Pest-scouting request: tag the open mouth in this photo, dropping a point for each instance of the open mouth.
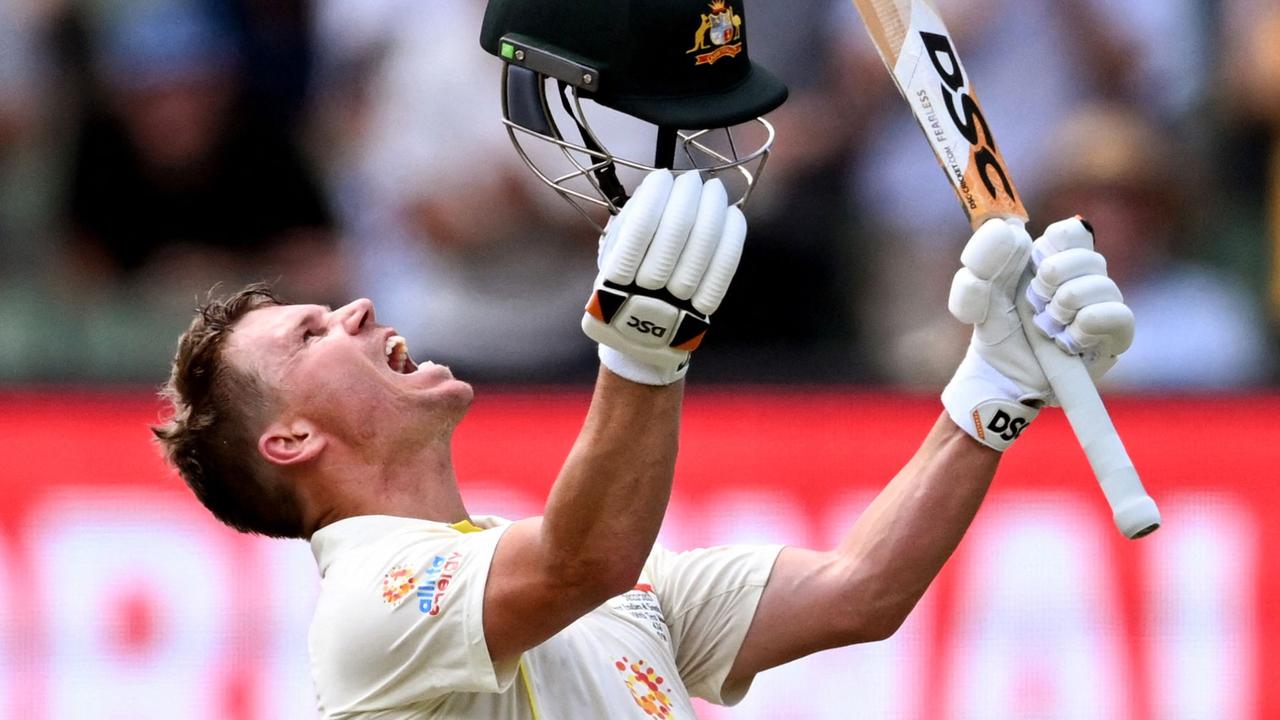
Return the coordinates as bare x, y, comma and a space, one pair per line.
397, 352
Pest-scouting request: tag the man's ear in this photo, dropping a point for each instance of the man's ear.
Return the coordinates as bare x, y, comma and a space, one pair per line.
291, 443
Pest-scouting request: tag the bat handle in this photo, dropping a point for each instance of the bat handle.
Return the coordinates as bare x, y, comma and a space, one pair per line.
1133, 510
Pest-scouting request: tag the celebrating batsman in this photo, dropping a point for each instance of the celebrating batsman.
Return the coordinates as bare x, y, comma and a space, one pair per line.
309, 422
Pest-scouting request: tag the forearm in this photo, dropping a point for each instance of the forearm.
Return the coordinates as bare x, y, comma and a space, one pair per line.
899, 544
608, 502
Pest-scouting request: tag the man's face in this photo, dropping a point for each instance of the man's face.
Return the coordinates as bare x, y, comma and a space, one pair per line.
350, 376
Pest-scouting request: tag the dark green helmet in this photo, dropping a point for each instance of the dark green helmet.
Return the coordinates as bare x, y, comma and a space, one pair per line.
681, 65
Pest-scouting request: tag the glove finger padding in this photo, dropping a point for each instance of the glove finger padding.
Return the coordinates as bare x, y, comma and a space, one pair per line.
997, 252
708, 226
1076, 304
1057, 269
970, 298
1063, 235
724, 263
1079, 293
1105, 328
673, 230
982, 291
666, 262
628, 235
1068, 275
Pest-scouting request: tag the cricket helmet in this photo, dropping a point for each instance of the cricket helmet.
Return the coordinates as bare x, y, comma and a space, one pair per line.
679, 65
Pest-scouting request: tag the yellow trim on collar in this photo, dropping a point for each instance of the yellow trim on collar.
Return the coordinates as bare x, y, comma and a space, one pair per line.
466, 526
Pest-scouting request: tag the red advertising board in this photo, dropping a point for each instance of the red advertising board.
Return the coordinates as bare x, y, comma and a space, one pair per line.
119, 597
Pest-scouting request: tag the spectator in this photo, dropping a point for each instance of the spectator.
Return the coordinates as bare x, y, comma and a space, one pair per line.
24, 72
1199, 329
28, 139
176, 181
1250, 67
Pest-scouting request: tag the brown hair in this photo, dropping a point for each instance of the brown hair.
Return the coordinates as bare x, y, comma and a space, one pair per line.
211, 437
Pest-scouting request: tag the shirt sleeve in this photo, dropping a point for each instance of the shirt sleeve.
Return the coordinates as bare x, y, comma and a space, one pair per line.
402, 622
709, 597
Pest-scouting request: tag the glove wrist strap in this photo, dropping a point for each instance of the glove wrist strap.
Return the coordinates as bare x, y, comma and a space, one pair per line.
637, 371
985, 404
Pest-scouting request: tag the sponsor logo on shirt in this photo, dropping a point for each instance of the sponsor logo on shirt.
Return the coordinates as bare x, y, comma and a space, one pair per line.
397, 584
435, 583
646, 688
641, 603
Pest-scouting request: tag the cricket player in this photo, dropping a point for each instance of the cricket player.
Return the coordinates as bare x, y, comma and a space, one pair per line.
305, 421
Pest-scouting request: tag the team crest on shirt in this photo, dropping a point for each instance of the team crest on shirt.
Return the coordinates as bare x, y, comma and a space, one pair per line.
401, 582
646, 688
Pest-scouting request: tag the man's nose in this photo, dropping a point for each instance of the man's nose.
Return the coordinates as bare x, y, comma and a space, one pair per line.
355, 315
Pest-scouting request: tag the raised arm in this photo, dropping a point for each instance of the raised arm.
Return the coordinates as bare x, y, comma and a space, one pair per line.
666, 262
864, 589
600, 521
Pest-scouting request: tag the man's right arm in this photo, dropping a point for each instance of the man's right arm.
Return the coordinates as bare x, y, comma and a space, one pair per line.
665, 265
600, 523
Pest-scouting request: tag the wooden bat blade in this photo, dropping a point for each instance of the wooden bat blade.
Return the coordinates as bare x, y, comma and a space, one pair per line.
921, 57
887, 21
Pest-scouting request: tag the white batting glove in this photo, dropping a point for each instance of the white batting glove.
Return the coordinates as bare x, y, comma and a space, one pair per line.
999, 387
665, 264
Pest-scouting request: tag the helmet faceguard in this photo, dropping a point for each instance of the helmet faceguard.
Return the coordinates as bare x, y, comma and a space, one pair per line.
704, 104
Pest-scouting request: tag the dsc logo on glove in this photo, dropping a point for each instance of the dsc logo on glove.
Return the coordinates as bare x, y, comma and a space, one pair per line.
645, 326
1009, 428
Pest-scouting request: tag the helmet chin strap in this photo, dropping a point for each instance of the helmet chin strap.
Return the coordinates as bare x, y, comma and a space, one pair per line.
664, 151
607, 174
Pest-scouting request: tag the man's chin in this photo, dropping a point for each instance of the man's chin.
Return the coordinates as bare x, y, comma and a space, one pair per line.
454, 396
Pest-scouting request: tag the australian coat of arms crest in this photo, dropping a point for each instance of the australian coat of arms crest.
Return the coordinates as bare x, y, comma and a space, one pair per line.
719, 35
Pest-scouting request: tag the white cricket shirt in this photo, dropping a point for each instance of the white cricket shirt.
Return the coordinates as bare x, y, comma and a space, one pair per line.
398, 631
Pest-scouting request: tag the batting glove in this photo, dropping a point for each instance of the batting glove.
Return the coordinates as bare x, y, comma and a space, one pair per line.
999, 387
665, 263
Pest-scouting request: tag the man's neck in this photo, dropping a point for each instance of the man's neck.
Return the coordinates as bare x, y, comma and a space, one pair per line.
422, 485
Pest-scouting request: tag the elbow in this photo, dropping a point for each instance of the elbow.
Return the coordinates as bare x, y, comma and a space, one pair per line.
616, 577
596, 580
875, 606
881, 626
866, 620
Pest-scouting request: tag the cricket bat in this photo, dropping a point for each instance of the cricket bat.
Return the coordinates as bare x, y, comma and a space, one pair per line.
921, 57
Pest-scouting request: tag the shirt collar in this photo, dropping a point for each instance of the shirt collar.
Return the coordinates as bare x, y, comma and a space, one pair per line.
331, 540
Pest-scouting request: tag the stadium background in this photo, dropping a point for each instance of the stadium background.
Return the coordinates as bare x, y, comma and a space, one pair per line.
151, 148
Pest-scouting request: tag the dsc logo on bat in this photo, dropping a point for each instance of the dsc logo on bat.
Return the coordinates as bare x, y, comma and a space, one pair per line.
939, 47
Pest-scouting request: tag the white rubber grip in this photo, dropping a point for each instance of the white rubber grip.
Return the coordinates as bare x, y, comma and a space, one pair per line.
1134, 511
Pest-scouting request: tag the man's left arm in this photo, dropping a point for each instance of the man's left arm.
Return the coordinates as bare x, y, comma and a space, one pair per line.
864, 589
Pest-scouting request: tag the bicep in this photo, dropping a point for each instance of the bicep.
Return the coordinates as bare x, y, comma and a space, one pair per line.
801, 611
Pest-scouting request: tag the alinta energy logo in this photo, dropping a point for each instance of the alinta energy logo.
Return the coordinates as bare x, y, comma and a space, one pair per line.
400, 582
719, 35
646, 688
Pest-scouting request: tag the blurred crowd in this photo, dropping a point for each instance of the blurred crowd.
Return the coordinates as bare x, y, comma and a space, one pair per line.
151, 150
